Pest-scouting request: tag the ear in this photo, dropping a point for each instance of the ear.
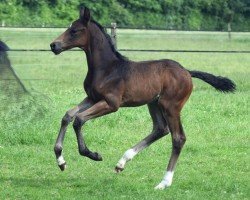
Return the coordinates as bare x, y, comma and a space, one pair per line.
84, 15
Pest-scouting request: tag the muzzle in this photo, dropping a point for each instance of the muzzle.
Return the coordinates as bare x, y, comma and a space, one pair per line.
56, 47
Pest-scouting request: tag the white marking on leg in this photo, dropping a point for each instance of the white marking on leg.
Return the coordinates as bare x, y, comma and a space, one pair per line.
128, 155
60, 160
166, 181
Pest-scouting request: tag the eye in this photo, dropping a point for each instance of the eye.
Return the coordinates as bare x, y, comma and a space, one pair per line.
73, 32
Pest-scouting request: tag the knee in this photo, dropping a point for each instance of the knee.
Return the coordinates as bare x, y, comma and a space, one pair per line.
161, 131
78, 122
178, 142
114, 108
66, 119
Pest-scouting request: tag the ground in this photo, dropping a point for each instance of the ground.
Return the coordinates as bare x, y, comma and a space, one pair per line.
214, 163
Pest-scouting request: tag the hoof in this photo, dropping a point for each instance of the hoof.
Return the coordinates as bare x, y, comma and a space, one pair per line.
95, 156
62, 166
160, 187
118, 169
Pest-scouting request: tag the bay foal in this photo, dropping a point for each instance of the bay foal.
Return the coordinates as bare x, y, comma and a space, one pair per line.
113, 81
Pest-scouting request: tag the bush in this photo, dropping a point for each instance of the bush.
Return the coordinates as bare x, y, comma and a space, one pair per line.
168, 14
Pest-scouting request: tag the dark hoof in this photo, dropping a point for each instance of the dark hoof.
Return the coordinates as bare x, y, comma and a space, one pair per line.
118, 169
62, 166
95, 156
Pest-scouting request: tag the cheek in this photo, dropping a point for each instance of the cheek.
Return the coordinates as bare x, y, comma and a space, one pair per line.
81, 41
74, 41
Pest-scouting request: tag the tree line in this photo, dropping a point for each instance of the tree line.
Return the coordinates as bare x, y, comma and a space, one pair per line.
165, 14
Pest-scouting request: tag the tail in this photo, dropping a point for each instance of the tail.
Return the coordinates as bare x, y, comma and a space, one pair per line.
220, 83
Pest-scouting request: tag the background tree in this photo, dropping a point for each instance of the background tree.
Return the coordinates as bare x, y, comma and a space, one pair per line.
168, 14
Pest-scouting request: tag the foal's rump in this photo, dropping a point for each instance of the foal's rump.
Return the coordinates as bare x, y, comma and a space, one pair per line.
148, 80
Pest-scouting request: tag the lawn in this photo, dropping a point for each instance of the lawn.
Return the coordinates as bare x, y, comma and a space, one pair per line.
214, 163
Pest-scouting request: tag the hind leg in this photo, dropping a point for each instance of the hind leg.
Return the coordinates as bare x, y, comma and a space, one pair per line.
160, 129
178, 140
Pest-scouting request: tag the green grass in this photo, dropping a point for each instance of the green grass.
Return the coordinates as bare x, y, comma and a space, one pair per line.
214, 163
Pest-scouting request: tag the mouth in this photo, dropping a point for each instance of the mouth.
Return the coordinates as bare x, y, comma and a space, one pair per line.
56, 52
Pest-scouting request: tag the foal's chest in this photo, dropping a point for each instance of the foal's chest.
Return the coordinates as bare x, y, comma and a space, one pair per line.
97, 85
92, 92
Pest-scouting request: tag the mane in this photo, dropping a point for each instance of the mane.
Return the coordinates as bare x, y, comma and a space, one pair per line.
118, 55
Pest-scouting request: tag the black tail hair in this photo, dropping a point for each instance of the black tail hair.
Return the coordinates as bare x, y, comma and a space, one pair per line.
220, 83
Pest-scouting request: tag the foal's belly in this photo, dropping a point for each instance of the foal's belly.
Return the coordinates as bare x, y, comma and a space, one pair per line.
133, 103
140, 94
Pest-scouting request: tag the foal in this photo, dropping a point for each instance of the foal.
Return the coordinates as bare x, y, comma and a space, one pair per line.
113, 81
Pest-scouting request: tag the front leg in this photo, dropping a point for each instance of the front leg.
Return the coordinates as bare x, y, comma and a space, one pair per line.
99, 109
85, 104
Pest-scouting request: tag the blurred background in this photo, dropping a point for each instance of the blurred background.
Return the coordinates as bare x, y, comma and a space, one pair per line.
212, 15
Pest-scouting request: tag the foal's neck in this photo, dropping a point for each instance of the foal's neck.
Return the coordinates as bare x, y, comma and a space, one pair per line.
99, 53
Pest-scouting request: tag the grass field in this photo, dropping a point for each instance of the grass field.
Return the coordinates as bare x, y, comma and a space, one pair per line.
214, 163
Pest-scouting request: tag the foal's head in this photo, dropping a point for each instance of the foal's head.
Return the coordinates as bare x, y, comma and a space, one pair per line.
77, 35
